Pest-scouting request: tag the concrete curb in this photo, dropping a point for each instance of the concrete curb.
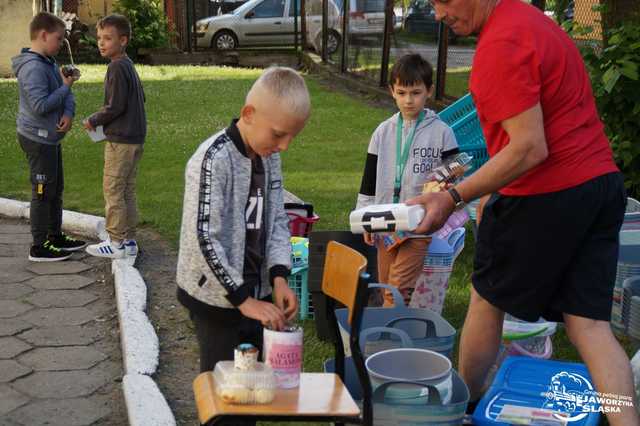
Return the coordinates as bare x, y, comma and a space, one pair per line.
145, 403
140, 346
72, 222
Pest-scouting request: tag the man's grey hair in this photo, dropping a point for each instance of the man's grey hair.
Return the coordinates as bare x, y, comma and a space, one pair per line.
286, 87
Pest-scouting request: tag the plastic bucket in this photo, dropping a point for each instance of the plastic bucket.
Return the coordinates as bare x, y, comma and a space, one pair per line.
426, 329
413, 365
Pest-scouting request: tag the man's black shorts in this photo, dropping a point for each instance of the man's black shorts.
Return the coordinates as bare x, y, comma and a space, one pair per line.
548, 254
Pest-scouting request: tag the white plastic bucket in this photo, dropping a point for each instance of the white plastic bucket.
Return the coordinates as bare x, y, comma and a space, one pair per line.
412, 365
283, 353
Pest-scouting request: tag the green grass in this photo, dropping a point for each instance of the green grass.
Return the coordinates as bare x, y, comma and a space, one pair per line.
185, 105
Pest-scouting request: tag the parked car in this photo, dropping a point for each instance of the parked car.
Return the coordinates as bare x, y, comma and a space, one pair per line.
262, 23
421, 18
226, 6
271, 23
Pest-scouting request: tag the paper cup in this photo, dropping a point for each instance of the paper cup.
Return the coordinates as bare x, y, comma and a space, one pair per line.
283, 353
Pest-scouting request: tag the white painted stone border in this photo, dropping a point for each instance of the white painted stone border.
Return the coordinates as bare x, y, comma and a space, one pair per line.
140, 347
72, 222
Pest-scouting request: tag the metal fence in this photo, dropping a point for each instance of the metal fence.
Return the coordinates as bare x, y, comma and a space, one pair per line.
364, 37
367, 38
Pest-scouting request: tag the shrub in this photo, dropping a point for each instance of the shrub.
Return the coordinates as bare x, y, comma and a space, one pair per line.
148, 23
615, 77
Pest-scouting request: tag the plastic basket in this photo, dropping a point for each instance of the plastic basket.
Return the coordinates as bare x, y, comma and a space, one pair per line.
299, 284
299, 252
457, 110
471, 140
300, 226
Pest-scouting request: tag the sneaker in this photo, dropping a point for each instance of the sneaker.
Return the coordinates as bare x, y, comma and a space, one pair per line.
106, 249
47, 252
130, 248
65, 242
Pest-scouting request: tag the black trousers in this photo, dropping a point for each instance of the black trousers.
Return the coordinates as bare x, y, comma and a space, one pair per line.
218, 333
47, 185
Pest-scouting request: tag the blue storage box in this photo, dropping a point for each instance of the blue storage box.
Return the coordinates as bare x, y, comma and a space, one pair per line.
425, 328
541, 386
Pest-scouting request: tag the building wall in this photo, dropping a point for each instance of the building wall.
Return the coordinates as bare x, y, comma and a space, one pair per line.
89, 11
15, 16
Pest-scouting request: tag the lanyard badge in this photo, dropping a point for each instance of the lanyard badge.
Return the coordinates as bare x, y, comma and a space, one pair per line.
402, 153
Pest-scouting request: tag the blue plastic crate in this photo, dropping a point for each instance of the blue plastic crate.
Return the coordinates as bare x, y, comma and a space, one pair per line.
463, 119
561, 387
457, 110
298, 282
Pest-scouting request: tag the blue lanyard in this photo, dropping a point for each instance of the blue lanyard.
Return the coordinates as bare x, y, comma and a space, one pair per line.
402, 154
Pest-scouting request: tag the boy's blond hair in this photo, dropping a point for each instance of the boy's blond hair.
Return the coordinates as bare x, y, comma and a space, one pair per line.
286, 87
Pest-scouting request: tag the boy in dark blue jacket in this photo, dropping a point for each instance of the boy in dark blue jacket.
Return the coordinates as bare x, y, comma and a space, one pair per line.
45, 115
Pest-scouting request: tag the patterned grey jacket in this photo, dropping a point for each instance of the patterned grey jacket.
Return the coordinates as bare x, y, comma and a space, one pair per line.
212, 237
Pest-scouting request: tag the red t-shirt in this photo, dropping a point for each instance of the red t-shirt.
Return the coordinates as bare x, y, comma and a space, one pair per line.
522, 58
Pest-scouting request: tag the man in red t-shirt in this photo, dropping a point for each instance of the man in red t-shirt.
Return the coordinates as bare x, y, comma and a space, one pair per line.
553, 199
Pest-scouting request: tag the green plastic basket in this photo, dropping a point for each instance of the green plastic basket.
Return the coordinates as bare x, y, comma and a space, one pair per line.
299, 284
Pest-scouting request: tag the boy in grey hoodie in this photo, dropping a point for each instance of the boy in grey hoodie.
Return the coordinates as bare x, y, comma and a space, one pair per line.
423, 141
234, 241
45, 115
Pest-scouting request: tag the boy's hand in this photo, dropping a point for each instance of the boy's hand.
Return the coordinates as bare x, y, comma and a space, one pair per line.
285, 298
65, 124
67, 80
87, 125
267, 313
369, 239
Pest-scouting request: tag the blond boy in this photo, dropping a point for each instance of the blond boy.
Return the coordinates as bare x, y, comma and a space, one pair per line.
234, 242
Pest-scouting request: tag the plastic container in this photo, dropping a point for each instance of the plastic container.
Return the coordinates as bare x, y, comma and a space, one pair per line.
544, 387
419, 366
386, 218
301, 218
236, 386
515, 329
298, 280
457, 110
390, 411
425, 328
632, 213
627, 268
463, 119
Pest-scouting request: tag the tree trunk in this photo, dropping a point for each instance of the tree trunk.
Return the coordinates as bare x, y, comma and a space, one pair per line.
617, 11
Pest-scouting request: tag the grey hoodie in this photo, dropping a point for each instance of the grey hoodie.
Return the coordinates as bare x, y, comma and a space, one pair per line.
213, 233
44, 99
432, 139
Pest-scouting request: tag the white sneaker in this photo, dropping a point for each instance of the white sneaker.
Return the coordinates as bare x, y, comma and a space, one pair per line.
130, 248
106, 249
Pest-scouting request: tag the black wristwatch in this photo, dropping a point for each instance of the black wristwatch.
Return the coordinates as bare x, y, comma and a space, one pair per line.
457, 199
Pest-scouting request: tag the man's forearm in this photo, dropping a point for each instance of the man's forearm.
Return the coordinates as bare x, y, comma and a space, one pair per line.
510, 163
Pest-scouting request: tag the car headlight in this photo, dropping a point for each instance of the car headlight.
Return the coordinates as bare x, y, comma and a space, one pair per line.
202, 27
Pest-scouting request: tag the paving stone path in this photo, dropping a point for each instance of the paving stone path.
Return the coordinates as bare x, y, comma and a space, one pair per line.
60, 361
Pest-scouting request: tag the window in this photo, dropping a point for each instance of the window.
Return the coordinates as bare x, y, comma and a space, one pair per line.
269, 9
370, 6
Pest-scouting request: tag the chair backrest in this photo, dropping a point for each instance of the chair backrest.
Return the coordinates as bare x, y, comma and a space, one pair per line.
344, 280
342, 268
